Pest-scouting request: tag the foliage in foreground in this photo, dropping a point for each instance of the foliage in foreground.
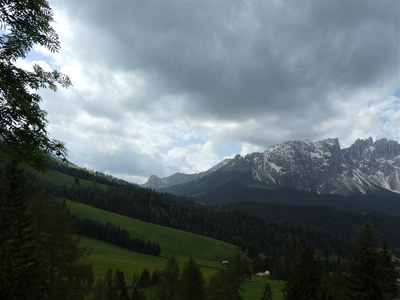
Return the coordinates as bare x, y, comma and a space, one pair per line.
23, 134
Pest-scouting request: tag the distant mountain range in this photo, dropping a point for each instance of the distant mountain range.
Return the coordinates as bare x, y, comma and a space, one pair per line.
314, 167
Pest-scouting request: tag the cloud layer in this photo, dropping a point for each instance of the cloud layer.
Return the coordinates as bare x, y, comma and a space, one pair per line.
168, 86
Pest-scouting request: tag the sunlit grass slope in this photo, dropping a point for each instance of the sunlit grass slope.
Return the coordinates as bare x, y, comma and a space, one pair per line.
184, 245
103, 256
254, 288
60, 179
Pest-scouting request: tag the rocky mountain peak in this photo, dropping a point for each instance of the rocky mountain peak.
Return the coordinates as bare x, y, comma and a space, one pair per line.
154, 182
320, 167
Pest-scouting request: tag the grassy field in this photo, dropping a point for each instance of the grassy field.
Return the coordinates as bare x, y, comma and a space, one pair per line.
206, 251
254, 288
184, 245
60, 179
104, 256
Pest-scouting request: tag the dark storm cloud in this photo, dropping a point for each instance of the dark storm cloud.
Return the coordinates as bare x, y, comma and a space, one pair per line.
237, 59
162, 86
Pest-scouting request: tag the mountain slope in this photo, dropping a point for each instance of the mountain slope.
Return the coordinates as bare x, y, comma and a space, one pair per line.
317, 167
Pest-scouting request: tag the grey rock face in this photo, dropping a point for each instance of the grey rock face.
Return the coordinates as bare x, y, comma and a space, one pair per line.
320, 167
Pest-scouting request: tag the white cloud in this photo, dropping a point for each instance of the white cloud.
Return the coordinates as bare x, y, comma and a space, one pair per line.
162, 87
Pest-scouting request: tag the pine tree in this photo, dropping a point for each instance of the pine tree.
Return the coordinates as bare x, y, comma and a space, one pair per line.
304, 279
145, 279
99, 291
18, 267
192, 285
111, 293
369, 273
386, 274
57, 252
167, 289
324, 291
119, 280
219, 287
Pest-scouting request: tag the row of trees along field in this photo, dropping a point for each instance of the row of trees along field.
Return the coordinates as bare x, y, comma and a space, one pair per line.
175, 283
114, 235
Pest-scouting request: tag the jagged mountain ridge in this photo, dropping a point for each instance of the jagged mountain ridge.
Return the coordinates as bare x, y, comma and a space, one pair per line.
317, 167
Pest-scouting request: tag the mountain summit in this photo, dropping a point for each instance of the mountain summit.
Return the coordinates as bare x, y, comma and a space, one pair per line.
318, 167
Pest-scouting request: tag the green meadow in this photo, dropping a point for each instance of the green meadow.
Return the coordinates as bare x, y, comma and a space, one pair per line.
254, 288
60, 179
103, 256
207, 252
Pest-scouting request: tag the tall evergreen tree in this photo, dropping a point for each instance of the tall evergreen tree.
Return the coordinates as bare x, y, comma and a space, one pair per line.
225, 284
192, 284
99, 291
304, 279
120, 285
57, 252
167, 290
386, 274
369, 271
111, 293
219, 287
145, 279
18, 267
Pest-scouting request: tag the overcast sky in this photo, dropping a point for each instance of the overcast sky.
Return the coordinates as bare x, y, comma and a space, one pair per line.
176, 86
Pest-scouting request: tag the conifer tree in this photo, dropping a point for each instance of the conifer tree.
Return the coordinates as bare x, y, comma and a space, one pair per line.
145, 279
155, 277
167, 290
192, 285
369, 273
219, 287
99, 290
324, 291
57, 252
18, 267
111, 293
386, 274
225, 284
120, 285
304, 279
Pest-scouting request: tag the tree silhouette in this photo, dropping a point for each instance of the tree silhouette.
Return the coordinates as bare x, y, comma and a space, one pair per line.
19, 274
370, 273
192, 284
167, 290
23, 133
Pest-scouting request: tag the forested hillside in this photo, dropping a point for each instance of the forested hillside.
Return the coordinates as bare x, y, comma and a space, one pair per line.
270, 234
